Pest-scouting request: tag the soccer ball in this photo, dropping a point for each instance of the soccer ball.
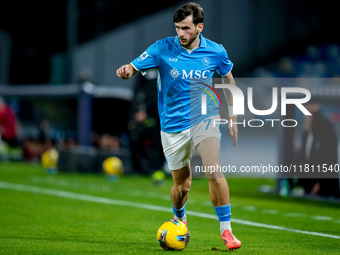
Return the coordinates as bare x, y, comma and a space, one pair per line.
173, 235
158, 177
113, 166
50, 158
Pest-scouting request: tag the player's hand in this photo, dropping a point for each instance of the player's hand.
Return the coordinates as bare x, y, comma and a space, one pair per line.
233, 129
125, 72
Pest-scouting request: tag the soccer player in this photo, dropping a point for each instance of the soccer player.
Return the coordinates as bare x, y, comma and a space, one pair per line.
180, 60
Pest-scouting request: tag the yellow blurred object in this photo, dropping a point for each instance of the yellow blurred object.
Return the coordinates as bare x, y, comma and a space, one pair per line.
113, 166
50, 158
158, 177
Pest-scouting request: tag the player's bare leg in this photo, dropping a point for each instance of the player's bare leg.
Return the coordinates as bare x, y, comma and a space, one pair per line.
209, 150
179, 191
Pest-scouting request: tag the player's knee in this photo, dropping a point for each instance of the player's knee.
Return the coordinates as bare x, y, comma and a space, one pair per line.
211, 162
215, 177
184, 187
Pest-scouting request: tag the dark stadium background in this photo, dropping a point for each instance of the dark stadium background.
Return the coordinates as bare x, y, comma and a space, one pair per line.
38, 29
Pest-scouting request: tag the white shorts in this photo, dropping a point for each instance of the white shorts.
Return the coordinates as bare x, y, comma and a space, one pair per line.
178, 147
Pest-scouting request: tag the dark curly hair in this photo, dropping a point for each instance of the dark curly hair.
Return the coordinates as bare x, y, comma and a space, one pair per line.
189, 9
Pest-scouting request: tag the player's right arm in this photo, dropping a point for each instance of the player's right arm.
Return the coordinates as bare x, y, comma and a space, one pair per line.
125, 72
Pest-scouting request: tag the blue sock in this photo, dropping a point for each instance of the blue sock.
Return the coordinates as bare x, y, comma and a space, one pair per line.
179, 212
223, 212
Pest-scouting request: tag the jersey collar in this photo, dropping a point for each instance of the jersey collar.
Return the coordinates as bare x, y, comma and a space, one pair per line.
203, 42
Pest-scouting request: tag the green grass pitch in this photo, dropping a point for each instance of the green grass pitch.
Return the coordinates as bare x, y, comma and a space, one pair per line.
87, 214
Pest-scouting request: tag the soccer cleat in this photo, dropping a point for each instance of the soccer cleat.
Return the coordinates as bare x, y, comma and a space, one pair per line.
230, 240
185, 222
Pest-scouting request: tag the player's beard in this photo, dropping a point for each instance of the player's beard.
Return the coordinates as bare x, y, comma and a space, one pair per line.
193, 38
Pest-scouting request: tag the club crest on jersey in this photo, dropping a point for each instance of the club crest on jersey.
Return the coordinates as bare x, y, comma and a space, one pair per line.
174, 73
206, 61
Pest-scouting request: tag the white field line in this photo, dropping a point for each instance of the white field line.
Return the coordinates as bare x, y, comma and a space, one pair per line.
83, 197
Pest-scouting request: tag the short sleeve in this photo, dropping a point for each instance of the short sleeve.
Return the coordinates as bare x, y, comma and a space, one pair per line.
225, 65
149, 59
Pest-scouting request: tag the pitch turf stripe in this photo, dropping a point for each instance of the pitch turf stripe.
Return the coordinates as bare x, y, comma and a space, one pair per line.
89, 198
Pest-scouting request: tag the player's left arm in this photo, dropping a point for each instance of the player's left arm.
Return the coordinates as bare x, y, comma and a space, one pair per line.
229, 79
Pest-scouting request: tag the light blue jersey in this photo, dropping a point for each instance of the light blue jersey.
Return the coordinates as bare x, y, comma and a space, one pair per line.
179, 72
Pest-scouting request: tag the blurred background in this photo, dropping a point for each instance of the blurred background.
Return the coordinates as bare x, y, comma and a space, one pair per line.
59, 90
